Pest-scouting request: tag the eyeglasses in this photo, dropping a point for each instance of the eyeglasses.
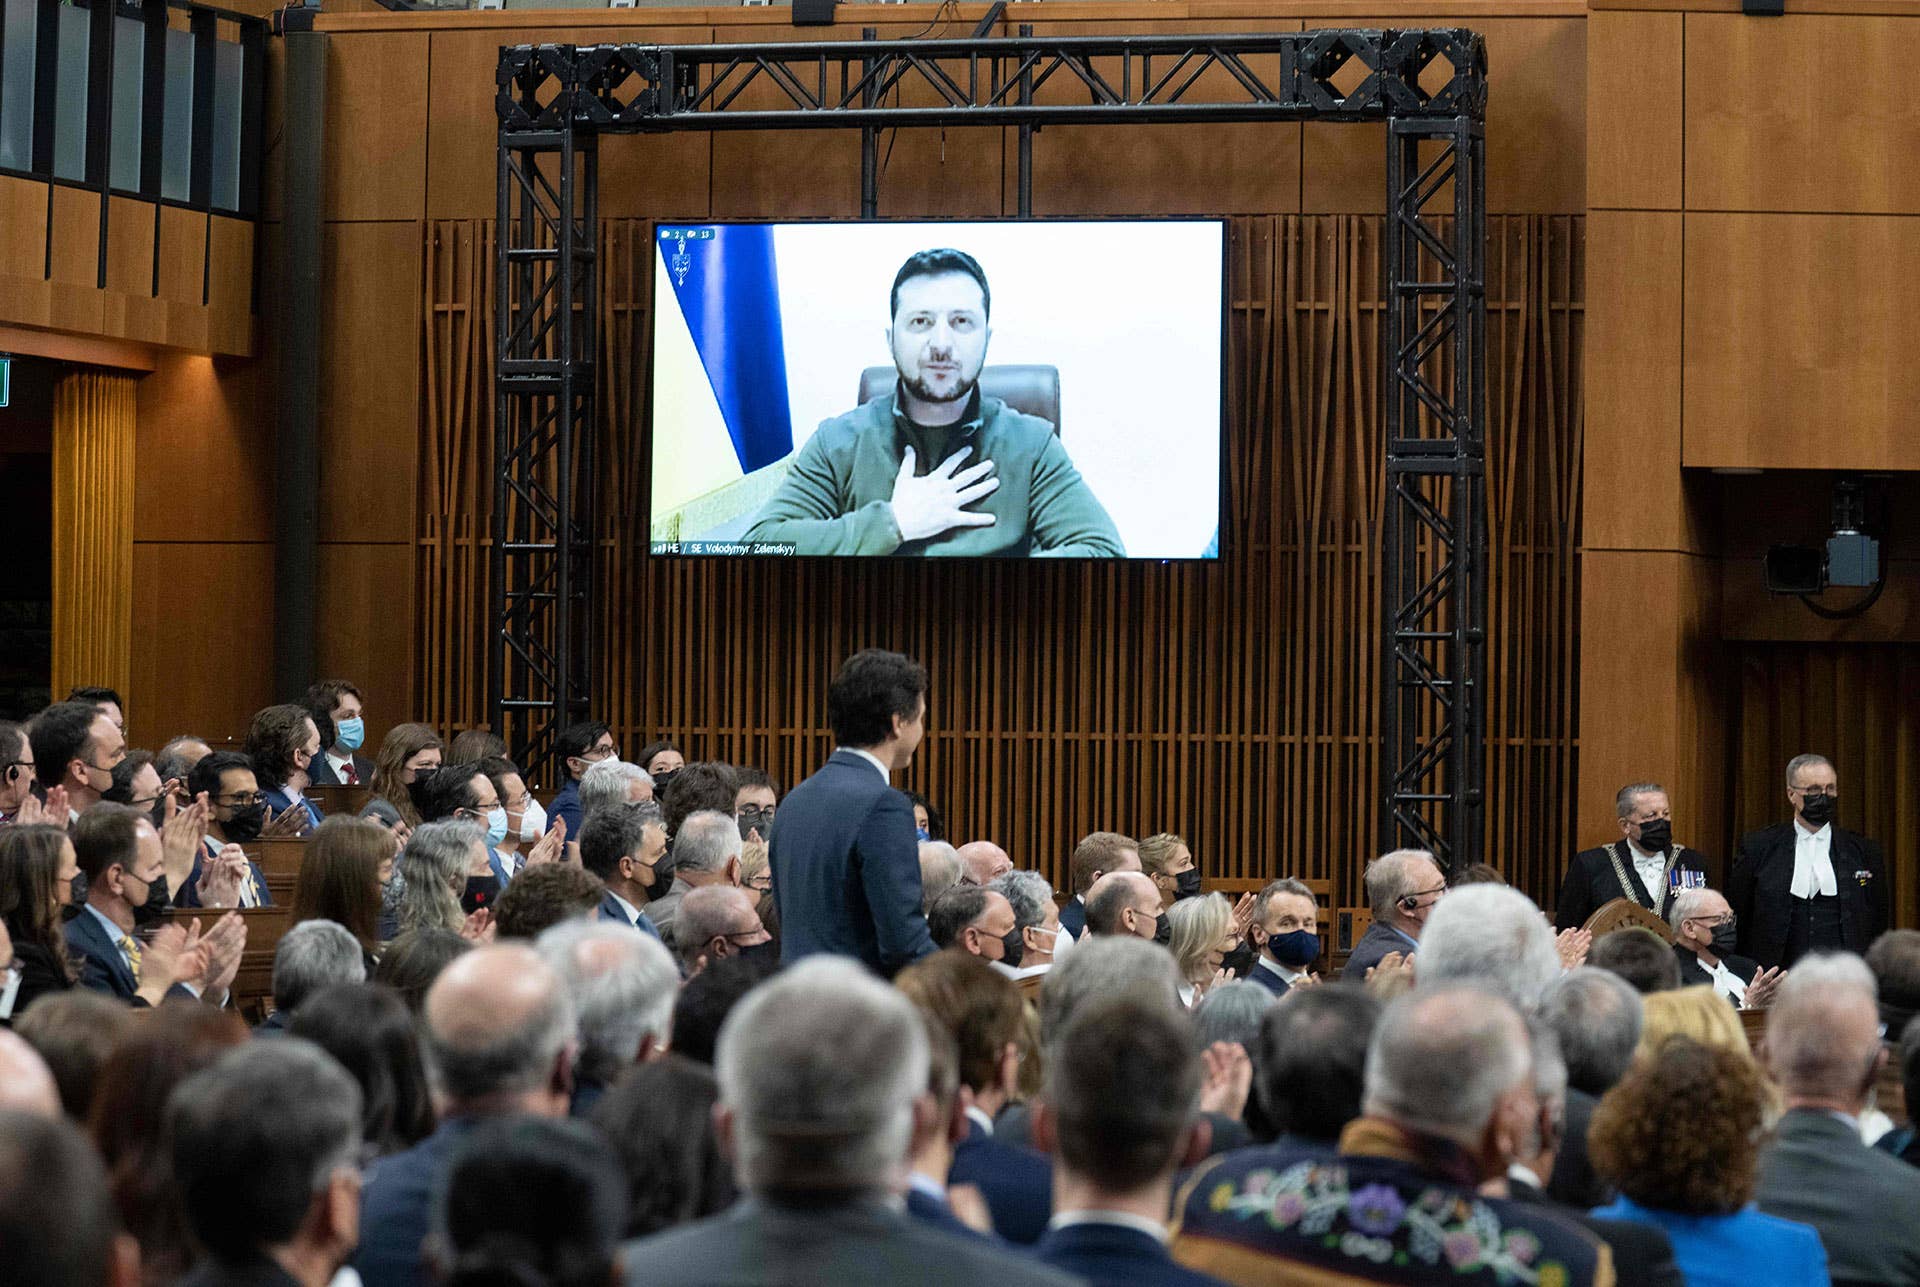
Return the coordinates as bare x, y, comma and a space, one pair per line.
241, 799
763, 883
1730, 920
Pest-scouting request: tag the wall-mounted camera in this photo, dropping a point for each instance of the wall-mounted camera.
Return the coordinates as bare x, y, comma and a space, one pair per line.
1849, 557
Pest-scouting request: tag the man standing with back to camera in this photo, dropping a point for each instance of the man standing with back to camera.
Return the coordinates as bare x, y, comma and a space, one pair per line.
892, 477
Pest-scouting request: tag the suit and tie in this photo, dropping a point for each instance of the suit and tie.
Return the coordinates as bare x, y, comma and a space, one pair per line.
846, 868
1107, 1253
856, 1243
1016, 1182
1864, 1204
1599, 875
322, 772
1379, 940
279, 801
1574, 1182
1272, 976
95, 943
1073, 916
1760, 892
613, 909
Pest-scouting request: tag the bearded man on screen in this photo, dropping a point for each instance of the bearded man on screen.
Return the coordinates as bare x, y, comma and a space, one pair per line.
936, 467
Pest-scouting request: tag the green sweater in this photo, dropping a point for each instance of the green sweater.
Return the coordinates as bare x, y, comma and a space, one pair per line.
835, 499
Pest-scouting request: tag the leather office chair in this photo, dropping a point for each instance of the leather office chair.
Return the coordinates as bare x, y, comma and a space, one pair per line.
1031, 390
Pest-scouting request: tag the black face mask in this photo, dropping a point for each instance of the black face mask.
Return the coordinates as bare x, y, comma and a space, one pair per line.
245, 823
662, 876
1818, 808
1016, 949
1241, 960
1187, 884
1295, 950
760, 820
159, 903
480, 892
763, 956
1656, 837
1163, 929
660, 780
1724, 937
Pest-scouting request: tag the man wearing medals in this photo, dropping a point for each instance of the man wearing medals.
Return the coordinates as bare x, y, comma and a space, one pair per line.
1644, 864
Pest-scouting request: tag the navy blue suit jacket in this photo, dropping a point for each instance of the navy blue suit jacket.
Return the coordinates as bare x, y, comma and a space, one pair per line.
566, 804
279, 801
189, 895
1111, 1255
1073, 916
1017, 1183
1268, 979
396, 1205
102, 968
935, 1211
610, 910
846, 869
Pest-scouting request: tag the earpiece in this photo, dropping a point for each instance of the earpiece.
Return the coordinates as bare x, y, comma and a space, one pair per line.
1410, 903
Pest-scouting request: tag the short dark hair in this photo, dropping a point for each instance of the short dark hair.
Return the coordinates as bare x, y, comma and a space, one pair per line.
871, 688
541, 897
1096, 852
938, 263
369, 1030
953, 911
448, 791
272, 738
320, 700
531, 1200
94, 695
61, 734
415, 957
477, 744
252, 1137
75, 1030
1311, 1059
1894, 959
13, 741
121, 792
748, 775
57, 1216
207, 773
1124, 1082
708, 998
106, 834
652, 749
707, 784
1639, 956
577, 739
936, 825
608, 836
659, 1120
1104, 908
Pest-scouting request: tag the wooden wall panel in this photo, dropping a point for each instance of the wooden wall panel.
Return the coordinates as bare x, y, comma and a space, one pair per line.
203, 618
230, 261
1635, 102
131, 308
376, 126
1796, 342
1234, 703
205, 435
73, 262
1825, 136
370, 381
366, 600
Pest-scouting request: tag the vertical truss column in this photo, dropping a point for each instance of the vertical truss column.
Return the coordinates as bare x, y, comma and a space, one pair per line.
1434, 553
541, 665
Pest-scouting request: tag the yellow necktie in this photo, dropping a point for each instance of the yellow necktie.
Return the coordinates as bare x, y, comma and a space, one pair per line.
132, 949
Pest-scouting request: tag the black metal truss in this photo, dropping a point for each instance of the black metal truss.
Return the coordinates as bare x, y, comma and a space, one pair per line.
1430, 87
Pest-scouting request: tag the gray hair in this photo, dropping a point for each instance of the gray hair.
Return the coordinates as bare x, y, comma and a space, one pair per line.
313, 955
1285, 885
1823, 1029
622, 984
820, 1067
707, 913
939, 872
1597, 1016
434, 864
954, 911
1104, 965
1816, 977
1623, 798
1686, 906
1799, 762
508, 1060
1028, 892
1232, 1013
1440, 1060
606, 783
706, 841
1489, 937
173, 762
1389, 878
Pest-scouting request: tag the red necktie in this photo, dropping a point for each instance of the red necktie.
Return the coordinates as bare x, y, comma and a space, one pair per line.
353, 779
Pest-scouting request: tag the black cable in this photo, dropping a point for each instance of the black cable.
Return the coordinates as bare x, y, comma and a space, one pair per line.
1848, 613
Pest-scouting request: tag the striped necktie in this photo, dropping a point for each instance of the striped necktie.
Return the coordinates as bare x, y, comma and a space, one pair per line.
132, 949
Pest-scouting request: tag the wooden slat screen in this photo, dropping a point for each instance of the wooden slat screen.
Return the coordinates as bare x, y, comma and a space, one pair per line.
1233, 703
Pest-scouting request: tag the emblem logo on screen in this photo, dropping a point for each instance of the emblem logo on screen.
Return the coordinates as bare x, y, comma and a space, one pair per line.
680, 263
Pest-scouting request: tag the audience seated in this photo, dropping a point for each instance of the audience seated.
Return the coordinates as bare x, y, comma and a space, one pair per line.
1199, 934
982, 862
177, 758
525, 821
936, 1132
756, 877
1824, 1051
1596, 1016
1449, 1087
1639, 956
1310, 1064
283, 742
1900, 1141
1489, 937
1126, 902
57, 1218
627, 849
464, 793
1691, 1012
1403, 888
474, 745
940, 870
1703, 938
18, 804
129, 1118
313, 955
1120, 1114
756, 799
978, 922
74, 1032
1231, 1014
543, 897
368, 1029
610, 783
706, 852
820, 1072
622, 986
75, 746
413, 961
1894, 959
498, 1034
105, 700
341, 875
407, 753
1166, 860
136, 783
659, 1121
530, 1201
26, 1083
718, 922
1036, 919
702, 787
265, 1157
236, 816
37, 871
982, 1011
709, 997
1679, 1138
433, 873
1285, 932
1096, 855
578, 748
335, 707
927, 822
661, 760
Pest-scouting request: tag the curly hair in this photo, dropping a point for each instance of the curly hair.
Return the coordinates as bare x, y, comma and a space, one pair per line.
1680, 1132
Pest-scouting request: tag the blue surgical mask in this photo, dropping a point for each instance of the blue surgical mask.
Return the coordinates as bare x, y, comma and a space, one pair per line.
922, 834
350, 733
496, 826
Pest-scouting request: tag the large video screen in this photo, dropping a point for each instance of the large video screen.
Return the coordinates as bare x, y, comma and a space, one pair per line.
974, 390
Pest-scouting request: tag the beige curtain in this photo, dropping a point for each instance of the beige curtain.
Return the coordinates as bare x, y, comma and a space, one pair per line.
93, 418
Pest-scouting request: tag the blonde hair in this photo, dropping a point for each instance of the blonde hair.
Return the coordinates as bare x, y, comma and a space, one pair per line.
1697, 1013
1197, 925
753, 859
1156, 852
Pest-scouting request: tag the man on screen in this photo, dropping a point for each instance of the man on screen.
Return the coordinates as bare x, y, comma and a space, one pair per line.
936, 467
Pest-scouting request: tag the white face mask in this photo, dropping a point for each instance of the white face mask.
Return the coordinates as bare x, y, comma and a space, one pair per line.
533, 823
1062, 941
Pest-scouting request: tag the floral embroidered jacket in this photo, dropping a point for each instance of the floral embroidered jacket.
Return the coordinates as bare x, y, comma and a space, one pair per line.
1389, 1207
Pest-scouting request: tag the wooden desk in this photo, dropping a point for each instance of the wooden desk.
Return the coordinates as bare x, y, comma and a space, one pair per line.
332, 800
252, 989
